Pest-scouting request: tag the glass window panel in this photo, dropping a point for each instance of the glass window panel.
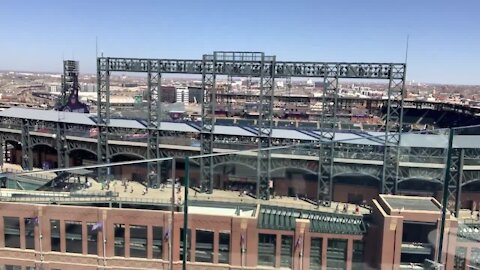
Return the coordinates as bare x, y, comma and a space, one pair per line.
92, 239
286, 253
138, 241
119, 240
266, 249
73, 236
55, 234
475, 258
224, 248
336, 254
189, 240
204, 246
459, 263
158, 239
357, 256
30, 224
11, 232
316, 245
13, 267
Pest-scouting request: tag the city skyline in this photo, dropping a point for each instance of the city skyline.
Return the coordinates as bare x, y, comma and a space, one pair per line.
441, 50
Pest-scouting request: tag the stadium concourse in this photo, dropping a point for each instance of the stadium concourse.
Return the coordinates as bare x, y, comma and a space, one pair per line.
68, 220
357, 167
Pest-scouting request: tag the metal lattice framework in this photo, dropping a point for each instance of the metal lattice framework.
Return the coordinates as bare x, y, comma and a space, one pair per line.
27, 158
393, 125
455, 180
69, 81
154, 80
265, 123
61, 145
103, 115
328, 122
257, 65
208, 121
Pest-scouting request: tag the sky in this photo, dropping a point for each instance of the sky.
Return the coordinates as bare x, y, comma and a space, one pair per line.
444, 43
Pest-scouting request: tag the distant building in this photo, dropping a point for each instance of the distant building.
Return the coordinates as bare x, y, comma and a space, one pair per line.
88, 87
195, 94
182, 95
168, 94
55, 87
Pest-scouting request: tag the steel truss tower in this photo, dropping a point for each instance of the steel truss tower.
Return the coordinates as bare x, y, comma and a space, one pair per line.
265, 124
455, 180
69, 81
209, 103
393, 125
27, 157
328, 124
61, 144
154, 80
257, 65
103, 116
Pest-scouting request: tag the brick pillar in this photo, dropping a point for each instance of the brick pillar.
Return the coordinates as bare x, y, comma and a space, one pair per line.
84, 238
389, 243
108, 234
126, 236
398, 243
215, 246
176, 237
301, 254
452, 243
63, 246
22, 232
238, 228
2, 235
324, 252
278, 250
349, 254
251, 259
149, 242
193, 244
468, 251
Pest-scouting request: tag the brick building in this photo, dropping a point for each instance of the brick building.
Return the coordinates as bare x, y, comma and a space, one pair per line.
400, 232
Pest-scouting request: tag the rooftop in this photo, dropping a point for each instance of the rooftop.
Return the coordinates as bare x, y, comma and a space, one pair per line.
411, 203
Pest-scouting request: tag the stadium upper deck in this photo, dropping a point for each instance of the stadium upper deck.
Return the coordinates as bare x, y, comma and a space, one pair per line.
421, 140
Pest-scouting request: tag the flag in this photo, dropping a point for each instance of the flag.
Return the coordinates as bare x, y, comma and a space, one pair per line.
32, 220
166, 235
299, 241
242, 240
97, 226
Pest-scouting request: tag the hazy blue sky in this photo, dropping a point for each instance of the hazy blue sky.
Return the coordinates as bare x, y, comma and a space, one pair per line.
444, 35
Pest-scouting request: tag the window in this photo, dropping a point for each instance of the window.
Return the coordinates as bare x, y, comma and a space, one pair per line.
286, 254
73, 236
475, 257
336, 254
266, 249
316, 245
357, 256
12, 232
204, 246
13, 267
55, 234
224, 248
138, 241
188, 240
158, 239
30, 233
459, 263
119, 249
92, 239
